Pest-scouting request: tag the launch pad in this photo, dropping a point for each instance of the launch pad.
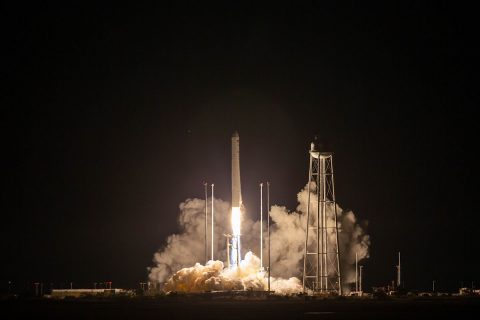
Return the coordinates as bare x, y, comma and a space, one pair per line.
216, 307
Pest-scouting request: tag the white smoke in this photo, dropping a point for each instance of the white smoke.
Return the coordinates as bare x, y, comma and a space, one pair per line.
213, 277
173, 262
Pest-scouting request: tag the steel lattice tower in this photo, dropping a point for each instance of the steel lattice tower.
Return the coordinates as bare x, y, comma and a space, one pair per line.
321, 260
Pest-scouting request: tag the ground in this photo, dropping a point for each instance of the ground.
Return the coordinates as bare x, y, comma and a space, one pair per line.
201, 308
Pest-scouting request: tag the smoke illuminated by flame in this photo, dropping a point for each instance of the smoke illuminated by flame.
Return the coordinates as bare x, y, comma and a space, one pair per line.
236, 221
173, 262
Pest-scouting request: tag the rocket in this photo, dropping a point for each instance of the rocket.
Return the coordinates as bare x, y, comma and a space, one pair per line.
235, 248
236, 190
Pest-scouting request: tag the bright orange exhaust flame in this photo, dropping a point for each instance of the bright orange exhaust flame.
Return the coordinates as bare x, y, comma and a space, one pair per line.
236, 221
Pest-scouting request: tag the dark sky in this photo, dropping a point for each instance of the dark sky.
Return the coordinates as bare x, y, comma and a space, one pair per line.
114, 115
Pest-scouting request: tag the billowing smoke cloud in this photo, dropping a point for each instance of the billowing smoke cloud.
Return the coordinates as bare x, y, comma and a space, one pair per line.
213, 276
174, 261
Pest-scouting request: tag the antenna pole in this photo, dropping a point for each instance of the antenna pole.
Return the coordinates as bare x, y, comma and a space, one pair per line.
261, 226
356, 272
360, 282
399, 267
268, 227
205, 184
212, 219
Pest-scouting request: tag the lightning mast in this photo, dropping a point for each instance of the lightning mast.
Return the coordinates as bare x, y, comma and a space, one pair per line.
268, 228
261, 226
360, 280
205, 184
212, 219
399, 271
356, 272
321, 262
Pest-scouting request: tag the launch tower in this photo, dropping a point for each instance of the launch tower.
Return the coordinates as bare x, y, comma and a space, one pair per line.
321, 263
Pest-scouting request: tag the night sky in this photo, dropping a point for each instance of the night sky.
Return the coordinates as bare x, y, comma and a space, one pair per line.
114, 115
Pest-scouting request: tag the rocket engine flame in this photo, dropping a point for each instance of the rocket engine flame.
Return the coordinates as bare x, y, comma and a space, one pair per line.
236, 221
235, 247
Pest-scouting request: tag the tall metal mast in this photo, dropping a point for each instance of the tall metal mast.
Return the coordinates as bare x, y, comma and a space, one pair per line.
212, 219
360, 280
356, 272
399, 271
261, 226
205, 184
321, 264
268, 228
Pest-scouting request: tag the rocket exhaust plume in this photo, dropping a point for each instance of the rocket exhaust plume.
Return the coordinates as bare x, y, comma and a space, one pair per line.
235, 254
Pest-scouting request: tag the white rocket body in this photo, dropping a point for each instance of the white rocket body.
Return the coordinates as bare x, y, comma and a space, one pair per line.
236, 189
235, 254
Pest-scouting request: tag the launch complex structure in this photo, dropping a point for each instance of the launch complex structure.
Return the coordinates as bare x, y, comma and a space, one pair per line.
321, 260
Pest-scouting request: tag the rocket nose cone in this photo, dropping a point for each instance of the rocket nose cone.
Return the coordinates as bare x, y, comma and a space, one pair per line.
235, 134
